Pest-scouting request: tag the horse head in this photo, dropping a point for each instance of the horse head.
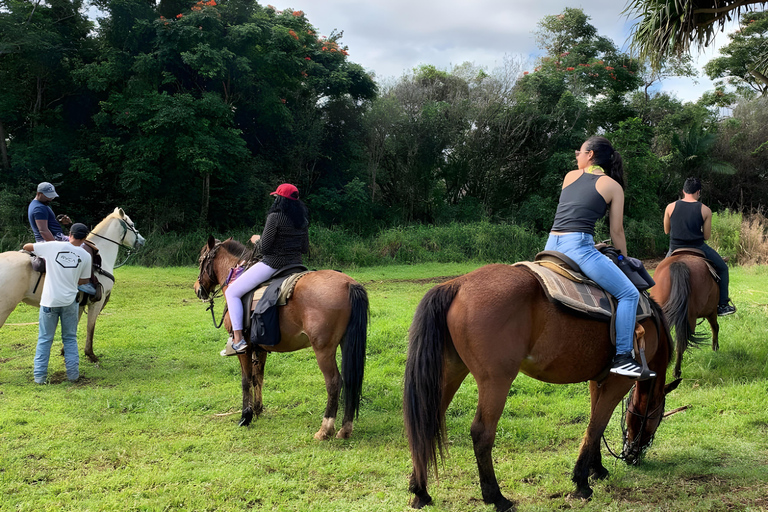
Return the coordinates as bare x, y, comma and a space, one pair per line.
118, 228
645, 410
206, 279
131, 237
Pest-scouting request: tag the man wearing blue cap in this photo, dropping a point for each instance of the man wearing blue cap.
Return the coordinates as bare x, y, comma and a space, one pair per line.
67, 266
42, 220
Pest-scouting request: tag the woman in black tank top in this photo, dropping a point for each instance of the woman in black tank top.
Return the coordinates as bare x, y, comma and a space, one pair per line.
586, 195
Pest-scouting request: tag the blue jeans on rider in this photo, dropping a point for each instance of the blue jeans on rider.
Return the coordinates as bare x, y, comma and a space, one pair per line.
49, 319
580, 247
721, 267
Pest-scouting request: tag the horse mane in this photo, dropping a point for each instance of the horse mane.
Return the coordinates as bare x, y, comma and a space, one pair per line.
658, 312
105, 220
235, 248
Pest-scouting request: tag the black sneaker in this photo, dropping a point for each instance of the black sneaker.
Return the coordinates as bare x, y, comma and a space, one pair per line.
624, 364
726, 309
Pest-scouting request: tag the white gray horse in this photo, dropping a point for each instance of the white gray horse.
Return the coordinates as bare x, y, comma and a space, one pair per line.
19, 283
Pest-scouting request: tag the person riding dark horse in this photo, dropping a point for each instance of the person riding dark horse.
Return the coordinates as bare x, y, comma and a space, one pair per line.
688, 222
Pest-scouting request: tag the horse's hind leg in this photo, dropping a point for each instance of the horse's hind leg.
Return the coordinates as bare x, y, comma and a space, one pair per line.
492, 396
455, 371
712, 319
326, 359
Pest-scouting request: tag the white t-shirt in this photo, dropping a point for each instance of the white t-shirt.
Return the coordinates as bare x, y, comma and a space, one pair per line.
65, 265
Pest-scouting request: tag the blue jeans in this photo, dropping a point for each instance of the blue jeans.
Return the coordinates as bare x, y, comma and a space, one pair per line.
580, 247
49, 319
720, 267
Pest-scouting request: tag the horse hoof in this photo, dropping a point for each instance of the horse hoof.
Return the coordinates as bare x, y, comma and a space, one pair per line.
246, 418
322, 435
599, 473
93, 358
421, 501
582, 493
504, 505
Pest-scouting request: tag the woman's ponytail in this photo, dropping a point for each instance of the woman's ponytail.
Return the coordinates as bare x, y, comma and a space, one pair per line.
607, 158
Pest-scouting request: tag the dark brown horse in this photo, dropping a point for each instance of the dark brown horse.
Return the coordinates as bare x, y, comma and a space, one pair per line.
687, 291
327, 309
493, 323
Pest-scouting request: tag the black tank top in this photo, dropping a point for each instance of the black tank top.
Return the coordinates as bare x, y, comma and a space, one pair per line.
580, 206
685, 225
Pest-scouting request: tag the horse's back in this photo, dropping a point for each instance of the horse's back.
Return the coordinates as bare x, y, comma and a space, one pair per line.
317, 312
17, 280
704, 288
501, 322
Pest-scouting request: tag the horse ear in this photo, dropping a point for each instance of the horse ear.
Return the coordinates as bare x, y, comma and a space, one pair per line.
120, 212
672, 386
211, 242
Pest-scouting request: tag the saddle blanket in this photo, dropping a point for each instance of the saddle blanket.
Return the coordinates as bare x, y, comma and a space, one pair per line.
579, 293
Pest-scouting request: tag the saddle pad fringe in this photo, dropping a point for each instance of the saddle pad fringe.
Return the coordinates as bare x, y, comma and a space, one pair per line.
286, 289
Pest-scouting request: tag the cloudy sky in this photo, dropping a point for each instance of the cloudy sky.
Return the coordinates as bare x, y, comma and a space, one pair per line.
390, 37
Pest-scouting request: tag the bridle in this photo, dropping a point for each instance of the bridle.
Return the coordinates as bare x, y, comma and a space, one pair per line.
648, 415
126, 228
206, 269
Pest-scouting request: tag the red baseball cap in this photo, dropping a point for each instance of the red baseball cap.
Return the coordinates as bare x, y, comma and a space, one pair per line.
286, 190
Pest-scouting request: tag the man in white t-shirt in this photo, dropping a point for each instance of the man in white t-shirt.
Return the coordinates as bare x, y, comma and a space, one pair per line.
67, 265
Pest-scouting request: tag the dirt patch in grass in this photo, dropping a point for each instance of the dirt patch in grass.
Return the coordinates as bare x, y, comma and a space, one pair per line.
437, 280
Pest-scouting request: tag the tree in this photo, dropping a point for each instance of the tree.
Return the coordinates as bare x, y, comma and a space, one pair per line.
737, 64
671, 27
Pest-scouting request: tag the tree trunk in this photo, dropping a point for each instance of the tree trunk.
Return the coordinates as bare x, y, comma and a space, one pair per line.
3, 149
206, 199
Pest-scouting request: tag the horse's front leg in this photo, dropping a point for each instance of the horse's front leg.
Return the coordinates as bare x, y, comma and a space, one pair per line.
326, 359
93, 314
246, 382
590, 463
258, 361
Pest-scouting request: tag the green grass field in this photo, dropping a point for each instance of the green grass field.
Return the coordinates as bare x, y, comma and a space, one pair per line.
145, 429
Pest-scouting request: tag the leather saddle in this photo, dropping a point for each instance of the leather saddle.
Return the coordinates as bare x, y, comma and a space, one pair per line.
260, 305
691, 251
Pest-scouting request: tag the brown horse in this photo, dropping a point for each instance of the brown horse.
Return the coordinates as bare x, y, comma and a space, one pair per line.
493, 323
686, 290
327, 309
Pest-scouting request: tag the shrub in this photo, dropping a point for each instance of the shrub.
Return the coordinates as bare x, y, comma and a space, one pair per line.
726, 228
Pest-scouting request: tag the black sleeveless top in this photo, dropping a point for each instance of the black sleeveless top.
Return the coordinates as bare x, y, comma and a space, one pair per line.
685, 225
580, 206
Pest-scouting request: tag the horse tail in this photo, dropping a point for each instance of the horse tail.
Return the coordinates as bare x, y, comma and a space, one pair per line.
676, 307
423, 393
353, 351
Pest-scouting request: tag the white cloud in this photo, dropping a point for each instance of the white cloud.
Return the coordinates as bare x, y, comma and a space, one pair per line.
390, 38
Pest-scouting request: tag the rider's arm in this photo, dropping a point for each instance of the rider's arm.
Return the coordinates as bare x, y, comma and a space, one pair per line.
29, 247
614, 196
42, 227
706, 213
668, 217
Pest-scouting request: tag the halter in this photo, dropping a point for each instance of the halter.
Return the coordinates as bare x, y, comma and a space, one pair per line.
126, 227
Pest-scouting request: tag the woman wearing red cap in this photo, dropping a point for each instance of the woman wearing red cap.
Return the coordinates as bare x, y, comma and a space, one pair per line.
284, 239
